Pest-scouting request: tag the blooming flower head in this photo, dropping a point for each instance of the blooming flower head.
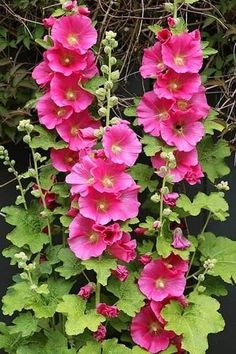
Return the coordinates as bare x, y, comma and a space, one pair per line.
163, 35
182, 53
64, 159
75, 33
158, 282
71, 131
83, 240
179, 241
174, 85
67, 91
107, 310
194, 174
176, 264
148, 332
121, 144
170, 199
42, 73
182, 130
111, 233
121, 272
100, 333
86, 291
152, 111
49, 113
124, 249
49, 22
70, 5
152, 64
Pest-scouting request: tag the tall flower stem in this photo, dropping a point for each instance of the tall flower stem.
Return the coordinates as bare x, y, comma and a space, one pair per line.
108, 96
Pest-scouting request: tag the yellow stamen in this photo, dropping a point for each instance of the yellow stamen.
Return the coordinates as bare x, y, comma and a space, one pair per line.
72, 38
116, 148
70, 95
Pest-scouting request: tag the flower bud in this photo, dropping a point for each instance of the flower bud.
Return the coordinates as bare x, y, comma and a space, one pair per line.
86, 291
22, 256
108, 85
155, 198
115, 75
145, 259
100, 333
201, 289
169, 6
114, 101
33, 287
107, 50
156, 224
164, 190
201, 277
24, 276
167, 212
121, 273
113, 61
102, 112
27, 139
105, 69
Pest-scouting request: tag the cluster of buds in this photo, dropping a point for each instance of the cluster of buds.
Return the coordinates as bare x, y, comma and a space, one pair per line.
223, 186
26, 126
209, 264
170, 164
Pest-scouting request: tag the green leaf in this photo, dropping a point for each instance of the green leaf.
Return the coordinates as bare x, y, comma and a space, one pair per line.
209, 51
138, 350
130, 299
58, 12
155, 28
102, 267
125, 225
194, 322
62, 189
17, 297
93, 84
58, 344
212, 155
25, 324
214, 286
71, 265
223, 250
111, 346
44, 44
212, 123
91, 347
164, 247
74, 308
130, 111
46, 176
148, 224
46, 140
28, 227
143, 174
153, 145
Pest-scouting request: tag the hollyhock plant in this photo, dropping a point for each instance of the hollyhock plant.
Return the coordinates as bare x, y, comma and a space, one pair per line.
170, 199
49, 22
148, 332
194, 174
107, 310
100, 334
121, 272
163, 35
64, 159
111, 233
121, 144
152, 110
71, 131
124, 249
86, 291
179, 241
42, 73
67, 91
75, 33
145, 259
182, 53
157, 281
152, 64
49, 113
175, 263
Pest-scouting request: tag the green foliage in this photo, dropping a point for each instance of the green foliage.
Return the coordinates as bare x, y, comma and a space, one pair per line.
46, 139
143, 174
102, 268
70, 264
200, 317
212, 123
93, 84
25, 325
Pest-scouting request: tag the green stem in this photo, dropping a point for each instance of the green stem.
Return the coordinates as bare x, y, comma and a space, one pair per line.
196, 273
206, 223
161, 209
175, 9
108, 96
98, 293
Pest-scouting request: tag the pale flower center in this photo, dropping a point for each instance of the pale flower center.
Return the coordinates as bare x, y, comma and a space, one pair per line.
102, 205
66, 60
160, 65
179, 60
173, 86
116, 149
90, 180
182, 105
60, 112
74, 130
163, 115
154, 327
107, 182
72, 38
70, 95
93, 237
160, 283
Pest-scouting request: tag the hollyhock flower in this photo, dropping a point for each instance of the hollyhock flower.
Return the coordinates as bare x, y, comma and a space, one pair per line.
100, 333
110, 177
66, 91
174, 85
81, 177
111, 233
182, 130
151, 111
86, 291
65, 61
156, 224
74, 207
175, 263
49, 113
183, 160
124, 249
49, 197
121, 273
152, 63
105, 207
182, 53
194, 174
107, 310
42, 73
140, 231
121, 144
148, 332
75, 32
163, 36
83, 240
196, 35
171, 21
91, 68
170, 199
71, 131
144, 259
64, 159
158, 282
70, 5
197, 105
49, 22
179, 241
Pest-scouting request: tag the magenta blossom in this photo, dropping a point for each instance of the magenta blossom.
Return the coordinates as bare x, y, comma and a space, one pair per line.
121, 144
121, 272
64, 159
70, 5
42, 73
100, 333
175, 263
124, 249
75, 33
163, 35
107, 310
86, 291
49, 22
170, 199
194, 174
152, 64
179, 241
111, 233
145, 259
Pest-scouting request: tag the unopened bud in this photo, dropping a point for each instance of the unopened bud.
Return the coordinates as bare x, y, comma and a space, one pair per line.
167, 212
102, 112
115, 75
155, 198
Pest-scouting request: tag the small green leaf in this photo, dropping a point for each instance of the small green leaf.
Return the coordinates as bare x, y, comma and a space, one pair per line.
153, 145
44, 44
212, 123
25, 324
91, 347
46, 140
125, 225
71, 265
58, 344
143, 174
58, 12
111, 346
102, 267
155, 28
93, 84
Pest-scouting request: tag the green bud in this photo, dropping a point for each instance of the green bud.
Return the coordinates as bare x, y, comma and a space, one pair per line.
114, 101
172, 164
22, 265
201, 277
155, 198
102, 112
22, 256
163, 170
27, 139
201, 289
37, 156
113, 61
164, 155
169, 7
13, 162
31, 267
105, 69
110, 35
169, 179
98, 133
10, 170
31, 172
107, 50
167, 212
33, 287
24, 276
108, 85
114, 121
115, 75
165, 190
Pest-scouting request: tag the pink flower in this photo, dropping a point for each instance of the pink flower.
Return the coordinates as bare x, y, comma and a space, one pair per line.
121, 273
158, 282
65, 61
71, 131
42, 74
64, 159
75, 32
152, 111
100, 334
83, 240
49, 22
171, 21
121, 144
74, 207
140, 231
176, 264
197, 105
49, 113
170, 199
105, 207
196, 35
182, 53
174, 85
144, 259
110, 177
111, 233
66, 91
91, 68
83, 10
194, 174
164, 35
81, 177
182, 130
152, 63
179, 241
107, 310
86, 291
124, 249
70, 5
148, 332
183, 160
